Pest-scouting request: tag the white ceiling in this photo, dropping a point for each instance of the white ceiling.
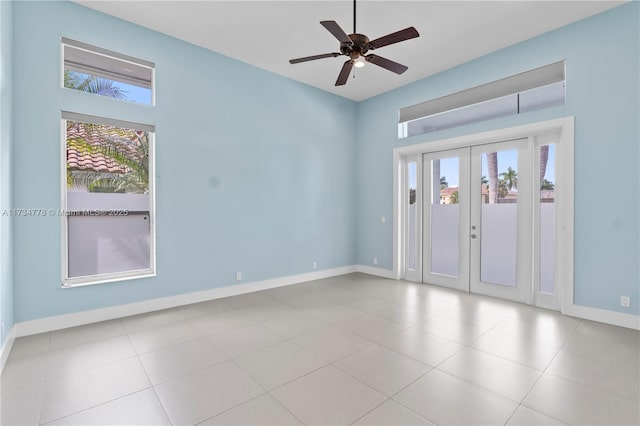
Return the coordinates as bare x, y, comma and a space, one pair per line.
267, 34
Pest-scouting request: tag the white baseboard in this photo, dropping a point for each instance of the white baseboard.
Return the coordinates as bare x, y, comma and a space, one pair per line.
379, 272
602, 315
584, 312
58, 322
6, 348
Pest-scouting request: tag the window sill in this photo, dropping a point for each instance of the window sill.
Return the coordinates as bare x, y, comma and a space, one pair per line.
107, 278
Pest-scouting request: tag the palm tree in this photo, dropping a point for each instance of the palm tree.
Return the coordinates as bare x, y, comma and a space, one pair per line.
90, 84
503, 189
544, 158
492, 166
125, 152
510, 178
443, 182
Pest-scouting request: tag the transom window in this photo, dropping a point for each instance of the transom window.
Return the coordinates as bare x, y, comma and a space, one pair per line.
103, 72
542, 87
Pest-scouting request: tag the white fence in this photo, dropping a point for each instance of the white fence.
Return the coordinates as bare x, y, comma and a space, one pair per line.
498, 244
111, 233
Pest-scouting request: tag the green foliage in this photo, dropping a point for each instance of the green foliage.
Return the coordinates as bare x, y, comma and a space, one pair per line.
91, 84
510, 178
127, 150
547, 185
443, 182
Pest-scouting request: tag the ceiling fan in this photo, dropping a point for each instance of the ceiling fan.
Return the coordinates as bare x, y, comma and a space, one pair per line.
355, 46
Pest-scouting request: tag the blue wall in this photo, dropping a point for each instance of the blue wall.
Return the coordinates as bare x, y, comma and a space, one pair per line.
6, 119
264, 175
254, 172
603, 93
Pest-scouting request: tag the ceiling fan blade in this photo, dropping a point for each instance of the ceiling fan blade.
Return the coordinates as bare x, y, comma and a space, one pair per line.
344, 73
397, 37
386, 63
313, 58
334, 28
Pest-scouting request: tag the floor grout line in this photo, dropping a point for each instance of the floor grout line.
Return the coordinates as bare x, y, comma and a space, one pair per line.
155, 392
350, 290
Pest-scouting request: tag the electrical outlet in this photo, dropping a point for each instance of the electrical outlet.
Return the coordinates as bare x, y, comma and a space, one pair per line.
315, 265
238, 276
625, 301
375, 260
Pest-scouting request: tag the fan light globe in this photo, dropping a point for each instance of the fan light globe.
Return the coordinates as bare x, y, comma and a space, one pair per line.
359, 63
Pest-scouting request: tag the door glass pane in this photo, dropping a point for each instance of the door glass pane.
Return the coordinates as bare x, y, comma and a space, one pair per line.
445, 216
412, 226
547, 214
498, 227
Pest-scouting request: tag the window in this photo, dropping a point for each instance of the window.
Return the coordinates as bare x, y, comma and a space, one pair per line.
107, 185
103, 72
539, 88
108, 200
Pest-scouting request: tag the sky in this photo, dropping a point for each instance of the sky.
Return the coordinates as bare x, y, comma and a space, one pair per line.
449, 167
136, 94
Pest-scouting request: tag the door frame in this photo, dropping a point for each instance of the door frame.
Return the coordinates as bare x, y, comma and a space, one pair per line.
407, 274
564, 204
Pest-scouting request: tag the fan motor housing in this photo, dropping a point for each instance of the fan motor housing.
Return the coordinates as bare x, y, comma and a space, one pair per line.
359, 47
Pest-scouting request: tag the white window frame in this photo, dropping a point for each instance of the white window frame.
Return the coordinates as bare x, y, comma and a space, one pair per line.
64, 41
482, 97
408, 274
68, 282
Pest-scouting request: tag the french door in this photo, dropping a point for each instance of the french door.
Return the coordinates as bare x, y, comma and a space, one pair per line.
488, 223
446, 217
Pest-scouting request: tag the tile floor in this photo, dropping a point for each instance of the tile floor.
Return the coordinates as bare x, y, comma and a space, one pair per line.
354, 349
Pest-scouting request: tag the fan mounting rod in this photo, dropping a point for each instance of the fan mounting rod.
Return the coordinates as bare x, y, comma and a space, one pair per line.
354, 16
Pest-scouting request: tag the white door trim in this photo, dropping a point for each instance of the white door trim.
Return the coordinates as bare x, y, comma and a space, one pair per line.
564, 205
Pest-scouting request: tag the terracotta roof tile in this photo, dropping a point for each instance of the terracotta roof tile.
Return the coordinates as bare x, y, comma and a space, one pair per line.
77, 160
80, 160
